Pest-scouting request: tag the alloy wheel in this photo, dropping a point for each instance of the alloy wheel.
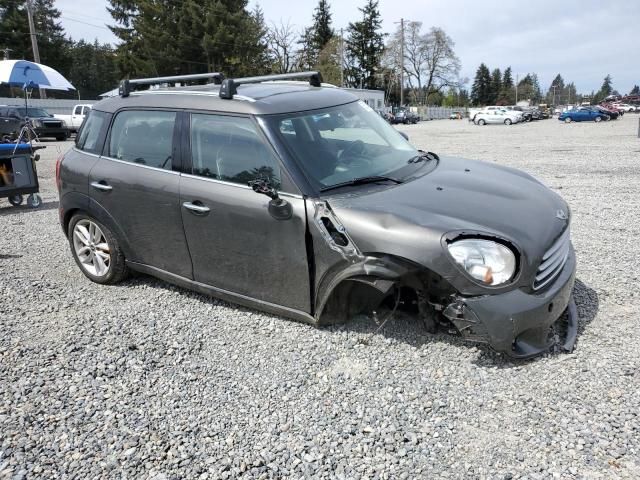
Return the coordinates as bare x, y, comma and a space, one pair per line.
91, 247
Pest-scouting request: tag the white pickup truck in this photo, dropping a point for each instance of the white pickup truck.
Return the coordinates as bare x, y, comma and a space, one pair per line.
74, 120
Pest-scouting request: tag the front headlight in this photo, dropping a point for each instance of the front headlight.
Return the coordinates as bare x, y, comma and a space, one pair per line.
489, 262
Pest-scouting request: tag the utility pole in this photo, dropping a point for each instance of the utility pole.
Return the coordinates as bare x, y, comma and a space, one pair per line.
342, 57
517, 79
32, 32
554, 95
401, 62
34, 40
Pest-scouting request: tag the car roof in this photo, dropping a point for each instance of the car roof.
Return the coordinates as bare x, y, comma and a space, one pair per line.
255, 98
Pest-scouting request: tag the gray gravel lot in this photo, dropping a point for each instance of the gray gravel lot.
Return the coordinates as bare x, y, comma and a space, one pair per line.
146, 380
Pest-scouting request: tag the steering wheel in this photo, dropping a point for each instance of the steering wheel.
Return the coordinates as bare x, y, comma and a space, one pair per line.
355, 148
353, 157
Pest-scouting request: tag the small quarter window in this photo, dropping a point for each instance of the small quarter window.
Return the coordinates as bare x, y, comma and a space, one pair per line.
89, 134
143, 137
230, 149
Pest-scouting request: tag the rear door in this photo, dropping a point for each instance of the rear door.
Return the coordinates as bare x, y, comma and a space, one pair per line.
236, 244
137, 182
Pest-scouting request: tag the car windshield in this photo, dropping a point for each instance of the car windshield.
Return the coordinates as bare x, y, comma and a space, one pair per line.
344, 143
32, 112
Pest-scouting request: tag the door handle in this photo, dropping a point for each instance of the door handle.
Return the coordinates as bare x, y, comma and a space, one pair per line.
196, 208
101, 186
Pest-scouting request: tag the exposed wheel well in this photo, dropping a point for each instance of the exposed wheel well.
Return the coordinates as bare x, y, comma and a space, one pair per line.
419, 291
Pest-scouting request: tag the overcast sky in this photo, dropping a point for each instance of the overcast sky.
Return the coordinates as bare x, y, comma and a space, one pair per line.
581, 39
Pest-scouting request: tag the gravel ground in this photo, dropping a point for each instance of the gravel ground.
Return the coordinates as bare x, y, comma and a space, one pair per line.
146, 380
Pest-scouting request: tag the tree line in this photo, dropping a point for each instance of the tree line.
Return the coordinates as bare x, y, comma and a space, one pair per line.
499, 88
172, 37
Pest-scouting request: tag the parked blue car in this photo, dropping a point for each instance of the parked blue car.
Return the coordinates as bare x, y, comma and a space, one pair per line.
583, 115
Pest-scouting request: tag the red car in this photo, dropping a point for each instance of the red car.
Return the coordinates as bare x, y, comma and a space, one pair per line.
611, 110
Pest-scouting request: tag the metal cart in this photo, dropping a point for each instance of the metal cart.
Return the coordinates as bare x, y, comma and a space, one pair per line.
18, 173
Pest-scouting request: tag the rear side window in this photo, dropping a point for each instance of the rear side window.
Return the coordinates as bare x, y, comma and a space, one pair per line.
77, 110
230, 149
144, 137
87, 139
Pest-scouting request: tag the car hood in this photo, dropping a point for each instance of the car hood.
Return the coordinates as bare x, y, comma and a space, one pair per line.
458, 196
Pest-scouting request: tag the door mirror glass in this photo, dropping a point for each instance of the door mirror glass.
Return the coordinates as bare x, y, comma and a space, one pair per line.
404, 134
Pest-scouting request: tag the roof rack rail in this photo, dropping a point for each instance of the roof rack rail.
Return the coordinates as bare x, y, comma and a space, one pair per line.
230, 85
127, 86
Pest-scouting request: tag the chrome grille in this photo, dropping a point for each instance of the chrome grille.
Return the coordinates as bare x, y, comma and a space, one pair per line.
553, 260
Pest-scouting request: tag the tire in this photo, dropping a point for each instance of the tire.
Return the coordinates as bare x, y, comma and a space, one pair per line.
34, 200
508, 121
16, 200
481, 122
567, 120
104, 261
597, 119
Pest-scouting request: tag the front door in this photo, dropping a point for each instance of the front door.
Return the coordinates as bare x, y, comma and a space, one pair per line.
236, 245
134, 181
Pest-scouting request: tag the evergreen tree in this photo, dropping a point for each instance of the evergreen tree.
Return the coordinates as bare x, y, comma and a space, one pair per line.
321, 31
93, 69
605, 90
481, 88
14, 33
507, 94
170, 37
558, 81
364, 47
635, 90
496, 85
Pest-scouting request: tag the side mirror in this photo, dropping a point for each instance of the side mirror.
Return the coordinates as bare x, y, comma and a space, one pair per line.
404, 134
279, 208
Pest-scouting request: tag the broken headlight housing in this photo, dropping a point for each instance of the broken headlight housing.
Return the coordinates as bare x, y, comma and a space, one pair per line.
489, 262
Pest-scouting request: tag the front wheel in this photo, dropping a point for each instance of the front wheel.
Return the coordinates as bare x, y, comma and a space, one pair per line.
96, 250
567, 120
597, 119
34, 200
16, 200
508, 121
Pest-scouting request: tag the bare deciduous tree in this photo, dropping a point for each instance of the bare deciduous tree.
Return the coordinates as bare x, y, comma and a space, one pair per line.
430, 63
282, 39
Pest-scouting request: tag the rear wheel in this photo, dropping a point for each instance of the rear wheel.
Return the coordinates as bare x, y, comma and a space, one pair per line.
481, 122
567, 120
16, 200
96, 250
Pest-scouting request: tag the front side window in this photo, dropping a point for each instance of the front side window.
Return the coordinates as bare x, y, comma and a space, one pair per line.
231, 149
87, 138
144, 137
343, 143
78, 110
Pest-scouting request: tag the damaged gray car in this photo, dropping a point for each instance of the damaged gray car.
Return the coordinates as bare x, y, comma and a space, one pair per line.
296, 198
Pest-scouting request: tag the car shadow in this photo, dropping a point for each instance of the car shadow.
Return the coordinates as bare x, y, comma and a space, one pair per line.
11, 210
406, 328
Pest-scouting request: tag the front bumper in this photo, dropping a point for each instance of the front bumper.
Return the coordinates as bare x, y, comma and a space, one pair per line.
52, 132
517, 323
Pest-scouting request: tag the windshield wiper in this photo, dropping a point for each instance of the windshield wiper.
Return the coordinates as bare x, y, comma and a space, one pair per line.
423, 157
362, 181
